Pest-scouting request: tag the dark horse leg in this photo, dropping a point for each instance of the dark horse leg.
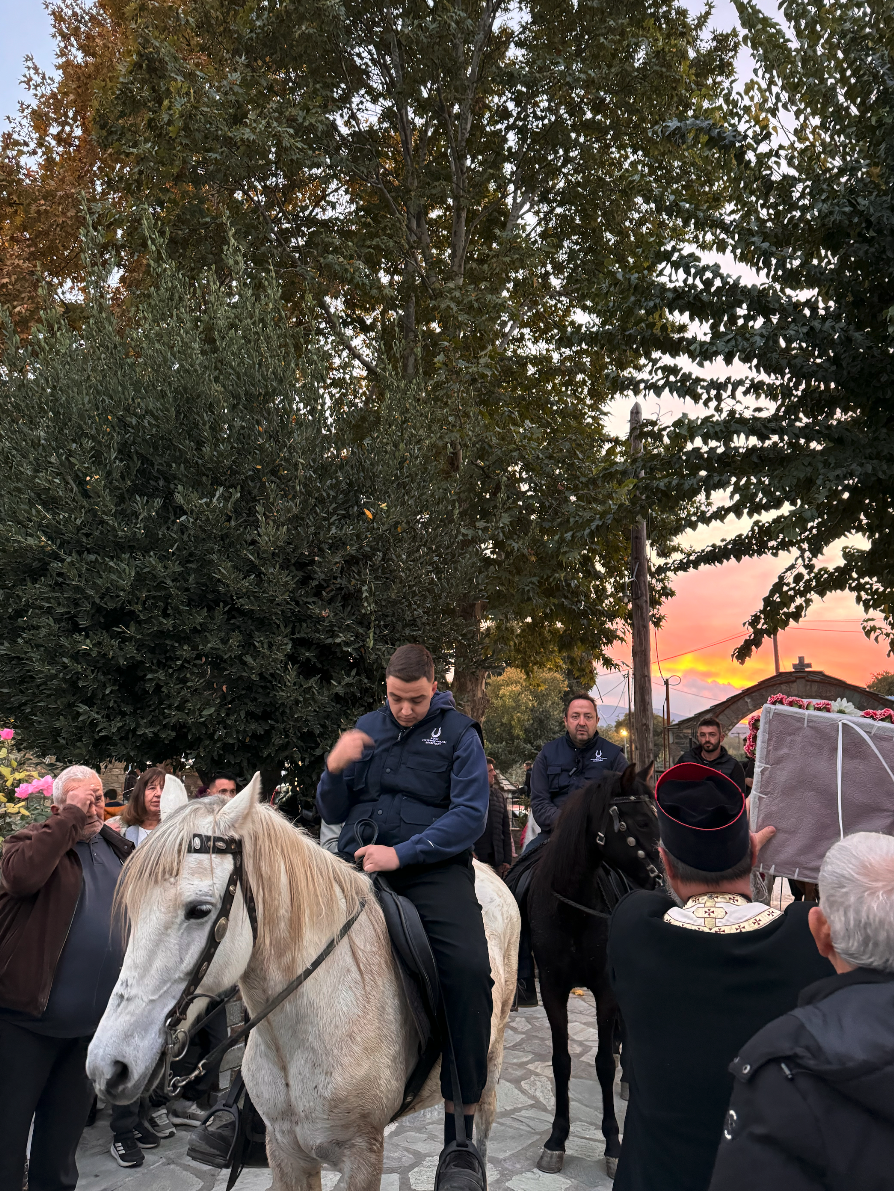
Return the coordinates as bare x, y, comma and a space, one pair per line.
607, 1018
555, 1002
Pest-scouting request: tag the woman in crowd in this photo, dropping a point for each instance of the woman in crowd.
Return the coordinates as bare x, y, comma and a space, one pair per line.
139, 1122
142, 814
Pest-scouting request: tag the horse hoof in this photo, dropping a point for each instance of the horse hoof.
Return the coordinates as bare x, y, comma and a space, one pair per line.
551, 1161
611, 1166
625, 1090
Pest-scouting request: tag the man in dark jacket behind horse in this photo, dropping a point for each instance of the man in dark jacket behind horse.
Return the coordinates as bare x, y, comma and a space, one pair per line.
695, 980
416, 769
813, 1101
565, 764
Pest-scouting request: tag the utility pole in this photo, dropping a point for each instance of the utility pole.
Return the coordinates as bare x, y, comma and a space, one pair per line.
667, 721
776, 652
643, 750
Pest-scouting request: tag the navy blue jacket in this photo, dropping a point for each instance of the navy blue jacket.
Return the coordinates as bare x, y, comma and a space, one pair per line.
425, 787
561, 768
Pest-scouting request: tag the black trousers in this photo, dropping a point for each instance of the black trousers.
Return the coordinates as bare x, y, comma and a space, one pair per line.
44, 1079
444, 895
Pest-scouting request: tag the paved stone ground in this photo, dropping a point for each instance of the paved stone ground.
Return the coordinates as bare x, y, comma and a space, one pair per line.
524, 1117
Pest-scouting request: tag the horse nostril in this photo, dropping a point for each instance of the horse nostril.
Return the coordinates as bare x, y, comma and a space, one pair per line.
119, 1078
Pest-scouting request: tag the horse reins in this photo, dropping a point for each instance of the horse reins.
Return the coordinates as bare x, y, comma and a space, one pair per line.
177, 1040
612, 811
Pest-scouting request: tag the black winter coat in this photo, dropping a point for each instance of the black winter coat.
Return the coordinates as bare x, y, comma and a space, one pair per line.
813, 1101
724, 762
495, 845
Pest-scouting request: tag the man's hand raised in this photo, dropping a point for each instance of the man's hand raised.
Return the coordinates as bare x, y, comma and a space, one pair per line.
348, 749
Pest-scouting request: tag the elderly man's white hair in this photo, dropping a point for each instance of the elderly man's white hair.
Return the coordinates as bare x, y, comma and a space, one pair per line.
70, 777
856, 885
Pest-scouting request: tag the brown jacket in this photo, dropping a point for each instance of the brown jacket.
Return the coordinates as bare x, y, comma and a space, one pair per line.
41, 883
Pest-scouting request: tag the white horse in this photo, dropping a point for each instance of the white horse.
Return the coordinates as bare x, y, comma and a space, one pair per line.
326, 1070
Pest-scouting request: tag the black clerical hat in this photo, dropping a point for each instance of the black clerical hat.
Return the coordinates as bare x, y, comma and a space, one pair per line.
701, 817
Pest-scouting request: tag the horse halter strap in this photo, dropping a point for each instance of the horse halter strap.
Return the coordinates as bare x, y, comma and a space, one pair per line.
216, 845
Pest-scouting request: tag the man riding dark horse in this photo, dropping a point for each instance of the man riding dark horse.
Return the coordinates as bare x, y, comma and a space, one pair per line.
562, 766
415, 768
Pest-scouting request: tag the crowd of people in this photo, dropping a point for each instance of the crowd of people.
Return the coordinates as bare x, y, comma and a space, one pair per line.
761, 1043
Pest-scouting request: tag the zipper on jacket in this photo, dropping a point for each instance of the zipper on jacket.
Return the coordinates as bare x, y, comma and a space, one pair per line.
46, 999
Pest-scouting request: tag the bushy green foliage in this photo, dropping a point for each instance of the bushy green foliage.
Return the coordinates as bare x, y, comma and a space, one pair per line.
209, 548
882, 683
796, 369
523, 713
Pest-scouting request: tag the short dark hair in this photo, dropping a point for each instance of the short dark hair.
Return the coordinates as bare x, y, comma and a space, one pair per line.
580, 695
491, 761
224, 775
688, 875
709, 722
409, 663
111, 793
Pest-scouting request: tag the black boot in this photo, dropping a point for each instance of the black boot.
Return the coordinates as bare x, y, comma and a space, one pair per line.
526, 994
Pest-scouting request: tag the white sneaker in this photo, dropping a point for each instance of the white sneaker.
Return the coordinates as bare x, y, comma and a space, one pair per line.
185, 1112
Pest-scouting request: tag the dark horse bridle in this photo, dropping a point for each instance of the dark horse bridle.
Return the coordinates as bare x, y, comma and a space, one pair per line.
612, 811
177, 1039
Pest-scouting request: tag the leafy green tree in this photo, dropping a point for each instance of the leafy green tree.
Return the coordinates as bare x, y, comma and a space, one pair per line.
620, 733
203, 557
523, 713
882, 683
793, 366
448, 191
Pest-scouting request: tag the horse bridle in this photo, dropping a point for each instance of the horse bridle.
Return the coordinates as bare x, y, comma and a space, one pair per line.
176, 1039
613, 812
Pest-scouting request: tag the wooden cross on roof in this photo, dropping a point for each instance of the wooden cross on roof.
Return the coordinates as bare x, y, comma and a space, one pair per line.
800, 665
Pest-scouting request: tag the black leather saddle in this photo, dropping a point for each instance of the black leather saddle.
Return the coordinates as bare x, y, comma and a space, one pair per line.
419, 976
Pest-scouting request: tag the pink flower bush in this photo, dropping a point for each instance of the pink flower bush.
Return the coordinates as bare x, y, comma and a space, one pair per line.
43, 785
6, 734
884, 715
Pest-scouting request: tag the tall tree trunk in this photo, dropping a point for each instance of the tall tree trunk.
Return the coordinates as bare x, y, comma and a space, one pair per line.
469, 679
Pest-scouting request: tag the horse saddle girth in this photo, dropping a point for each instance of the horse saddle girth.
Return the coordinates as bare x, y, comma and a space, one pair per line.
419, 976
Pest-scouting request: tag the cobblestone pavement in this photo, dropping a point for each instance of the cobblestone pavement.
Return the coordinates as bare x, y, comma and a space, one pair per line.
524, 1117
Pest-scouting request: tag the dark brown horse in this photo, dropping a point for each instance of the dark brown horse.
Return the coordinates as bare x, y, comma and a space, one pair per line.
609, 821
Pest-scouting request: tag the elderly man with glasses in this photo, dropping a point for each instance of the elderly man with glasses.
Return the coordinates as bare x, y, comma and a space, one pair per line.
59, 961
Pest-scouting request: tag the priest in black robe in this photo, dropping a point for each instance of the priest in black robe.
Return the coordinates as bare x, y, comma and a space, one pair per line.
696, 980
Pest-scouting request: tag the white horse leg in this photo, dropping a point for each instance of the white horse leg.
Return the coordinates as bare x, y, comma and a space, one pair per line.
361, 1165
291, 1167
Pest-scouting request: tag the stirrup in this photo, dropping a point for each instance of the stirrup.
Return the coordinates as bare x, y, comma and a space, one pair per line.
453, 1177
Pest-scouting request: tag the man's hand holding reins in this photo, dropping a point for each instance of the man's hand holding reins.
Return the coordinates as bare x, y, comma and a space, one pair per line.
348, 749
377, 858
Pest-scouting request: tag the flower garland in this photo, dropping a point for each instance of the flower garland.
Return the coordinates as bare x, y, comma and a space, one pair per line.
838, 706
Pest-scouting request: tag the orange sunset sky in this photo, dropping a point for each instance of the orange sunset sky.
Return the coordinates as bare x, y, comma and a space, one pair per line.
712, 604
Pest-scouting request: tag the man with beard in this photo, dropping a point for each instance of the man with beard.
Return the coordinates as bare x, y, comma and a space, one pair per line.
710, 751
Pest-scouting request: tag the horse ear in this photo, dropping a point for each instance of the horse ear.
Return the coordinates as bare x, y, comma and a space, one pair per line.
647, 775
173, 796
628, 777
241, 805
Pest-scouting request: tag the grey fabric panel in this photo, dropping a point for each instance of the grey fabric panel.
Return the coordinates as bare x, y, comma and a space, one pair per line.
796, 787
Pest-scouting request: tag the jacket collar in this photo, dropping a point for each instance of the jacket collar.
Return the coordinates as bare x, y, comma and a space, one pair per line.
820, 989
120, 846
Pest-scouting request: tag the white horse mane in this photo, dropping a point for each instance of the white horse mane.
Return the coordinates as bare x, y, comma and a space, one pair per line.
296, 884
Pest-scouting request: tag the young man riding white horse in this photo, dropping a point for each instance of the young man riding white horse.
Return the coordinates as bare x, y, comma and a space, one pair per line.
416, 770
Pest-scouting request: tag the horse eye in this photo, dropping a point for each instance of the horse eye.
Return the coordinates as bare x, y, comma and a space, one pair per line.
202, 910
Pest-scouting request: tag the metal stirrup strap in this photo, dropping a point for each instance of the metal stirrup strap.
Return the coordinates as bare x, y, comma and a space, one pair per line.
243, 1031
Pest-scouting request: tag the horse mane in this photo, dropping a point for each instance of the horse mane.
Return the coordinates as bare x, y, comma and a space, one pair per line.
296, 884
567, 855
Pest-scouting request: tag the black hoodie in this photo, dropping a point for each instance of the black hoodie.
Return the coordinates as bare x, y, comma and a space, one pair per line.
813, 1100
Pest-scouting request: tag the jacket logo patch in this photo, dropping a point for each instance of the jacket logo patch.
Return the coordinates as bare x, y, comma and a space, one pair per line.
597, 756
434, 738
